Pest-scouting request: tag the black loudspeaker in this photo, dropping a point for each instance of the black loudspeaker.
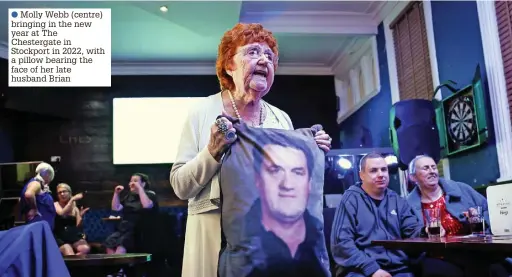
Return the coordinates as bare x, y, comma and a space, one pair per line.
413, 131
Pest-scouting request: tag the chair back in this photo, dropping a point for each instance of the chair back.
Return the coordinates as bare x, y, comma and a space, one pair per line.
9, 209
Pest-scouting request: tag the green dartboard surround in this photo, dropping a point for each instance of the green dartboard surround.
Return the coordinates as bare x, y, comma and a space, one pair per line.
461, 117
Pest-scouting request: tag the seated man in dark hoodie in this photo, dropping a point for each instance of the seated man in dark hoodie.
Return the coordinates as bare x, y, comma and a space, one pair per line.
370, 211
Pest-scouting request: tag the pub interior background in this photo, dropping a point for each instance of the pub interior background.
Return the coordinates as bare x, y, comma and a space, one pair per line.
380, 52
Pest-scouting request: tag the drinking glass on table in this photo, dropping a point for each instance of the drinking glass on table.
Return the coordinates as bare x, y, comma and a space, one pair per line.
476, 220
433, 222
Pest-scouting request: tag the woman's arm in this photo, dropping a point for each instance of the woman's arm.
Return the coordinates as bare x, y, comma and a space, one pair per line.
33, 189
194, 167
116, 203
79, 213
144, 199
78, 217
67, 209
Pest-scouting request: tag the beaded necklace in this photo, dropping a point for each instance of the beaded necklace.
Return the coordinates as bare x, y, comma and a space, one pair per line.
238, 113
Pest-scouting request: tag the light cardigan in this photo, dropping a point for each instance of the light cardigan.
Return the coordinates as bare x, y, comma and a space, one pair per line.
195, 173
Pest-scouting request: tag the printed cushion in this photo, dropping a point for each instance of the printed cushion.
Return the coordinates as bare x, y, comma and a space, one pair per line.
272, 185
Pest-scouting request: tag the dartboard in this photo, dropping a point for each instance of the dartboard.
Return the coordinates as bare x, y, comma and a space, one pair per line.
461, 120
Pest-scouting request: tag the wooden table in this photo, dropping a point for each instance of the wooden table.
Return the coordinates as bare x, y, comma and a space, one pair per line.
489, 244
494, 249
104, 264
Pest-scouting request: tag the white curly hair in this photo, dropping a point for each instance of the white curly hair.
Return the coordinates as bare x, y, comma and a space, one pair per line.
45, 169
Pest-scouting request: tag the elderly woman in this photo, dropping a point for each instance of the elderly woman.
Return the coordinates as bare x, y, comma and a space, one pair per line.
68, 222
134, 204
247, 59
36, 202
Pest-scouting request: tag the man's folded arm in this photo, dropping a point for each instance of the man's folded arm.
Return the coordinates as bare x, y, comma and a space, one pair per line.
343, 248
411, 226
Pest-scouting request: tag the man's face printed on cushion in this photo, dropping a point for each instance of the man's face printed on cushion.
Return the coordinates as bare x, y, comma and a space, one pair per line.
283, 182
272, 191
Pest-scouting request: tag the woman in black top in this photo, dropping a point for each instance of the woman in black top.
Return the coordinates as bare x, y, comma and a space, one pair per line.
135, 203
68, 222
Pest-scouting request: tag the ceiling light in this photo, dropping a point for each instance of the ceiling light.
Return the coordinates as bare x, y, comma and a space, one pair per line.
344, 163
391, 159
164, 9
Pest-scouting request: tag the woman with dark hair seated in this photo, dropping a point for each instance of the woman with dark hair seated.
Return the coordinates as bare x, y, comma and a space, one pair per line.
138, 201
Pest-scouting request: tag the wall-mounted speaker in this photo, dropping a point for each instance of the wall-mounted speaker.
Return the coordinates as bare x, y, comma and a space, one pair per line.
413, 131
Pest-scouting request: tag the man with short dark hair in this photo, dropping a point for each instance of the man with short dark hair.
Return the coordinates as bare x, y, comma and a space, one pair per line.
370, 211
